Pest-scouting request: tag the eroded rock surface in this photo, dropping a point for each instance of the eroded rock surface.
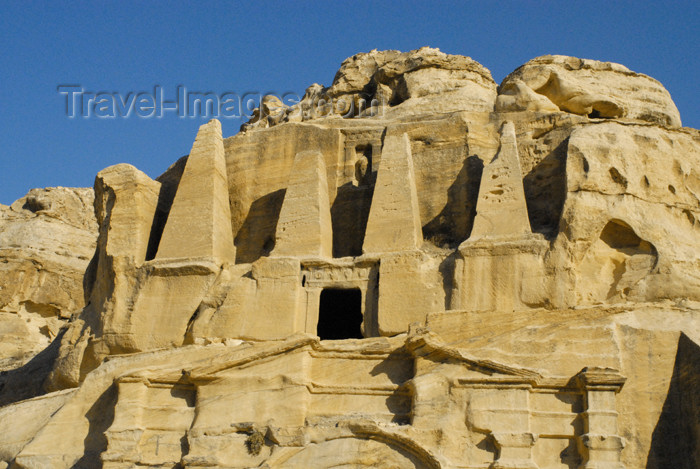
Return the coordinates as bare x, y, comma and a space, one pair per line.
47, 239
395, 84
586, 87
409, 268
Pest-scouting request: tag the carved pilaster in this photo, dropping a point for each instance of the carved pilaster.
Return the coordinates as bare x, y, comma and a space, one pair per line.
600, 446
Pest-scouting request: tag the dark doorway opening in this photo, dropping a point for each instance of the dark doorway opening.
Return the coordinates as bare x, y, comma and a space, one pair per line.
340, 314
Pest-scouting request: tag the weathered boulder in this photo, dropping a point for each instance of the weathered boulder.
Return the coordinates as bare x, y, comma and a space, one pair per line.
586, 87
389, 84
424, 81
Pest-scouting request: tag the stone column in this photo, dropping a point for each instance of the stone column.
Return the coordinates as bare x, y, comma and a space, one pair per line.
507, 412
313, 301
600, 446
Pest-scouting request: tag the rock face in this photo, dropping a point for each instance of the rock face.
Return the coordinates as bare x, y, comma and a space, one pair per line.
425, 81
586, 87
408, 268
47, 239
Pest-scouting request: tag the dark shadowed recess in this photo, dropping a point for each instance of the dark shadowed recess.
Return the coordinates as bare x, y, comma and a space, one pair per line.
169, 180
100, 417
454, 222
90, 276
256, 237
27, 381
675, 442
340, 314
349, 215
545, 191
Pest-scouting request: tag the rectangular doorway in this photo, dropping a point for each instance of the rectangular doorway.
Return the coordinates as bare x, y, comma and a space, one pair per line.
340, 314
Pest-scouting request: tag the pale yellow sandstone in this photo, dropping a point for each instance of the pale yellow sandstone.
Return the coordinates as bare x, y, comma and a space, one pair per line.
198, 221
47, 239
501, 209
426, 273
304, 227
587, 87
394, 221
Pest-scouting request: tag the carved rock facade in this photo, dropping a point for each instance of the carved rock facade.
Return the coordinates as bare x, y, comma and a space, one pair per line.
410, 268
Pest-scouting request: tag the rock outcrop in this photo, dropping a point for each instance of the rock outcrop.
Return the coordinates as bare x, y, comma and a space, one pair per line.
586, 87
425, 81
47, 239
411, 267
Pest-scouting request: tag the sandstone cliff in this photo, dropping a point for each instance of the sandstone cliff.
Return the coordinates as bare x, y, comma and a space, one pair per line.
412, 267
47, 239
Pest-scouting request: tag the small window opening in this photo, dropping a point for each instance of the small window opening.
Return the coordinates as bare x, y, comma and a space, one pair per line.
340, 314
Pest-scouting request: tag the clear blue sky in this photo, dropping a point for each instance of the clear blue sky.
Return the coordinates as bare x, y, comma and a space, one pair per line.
276, 47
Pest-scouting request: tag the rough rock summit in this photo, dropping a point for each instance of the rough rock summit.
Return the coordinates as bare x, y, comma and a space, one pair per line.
410, 268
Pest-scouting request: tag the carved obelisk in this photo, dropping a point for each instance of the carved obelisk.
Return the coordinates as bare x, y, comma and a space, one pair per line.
501, 210
199, 222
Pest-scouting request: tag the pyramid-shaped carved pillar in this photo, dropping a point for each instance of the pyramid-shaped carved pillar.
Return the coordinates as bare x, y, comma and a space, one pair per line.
199, 223
304, 228
394, 219
501, 210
